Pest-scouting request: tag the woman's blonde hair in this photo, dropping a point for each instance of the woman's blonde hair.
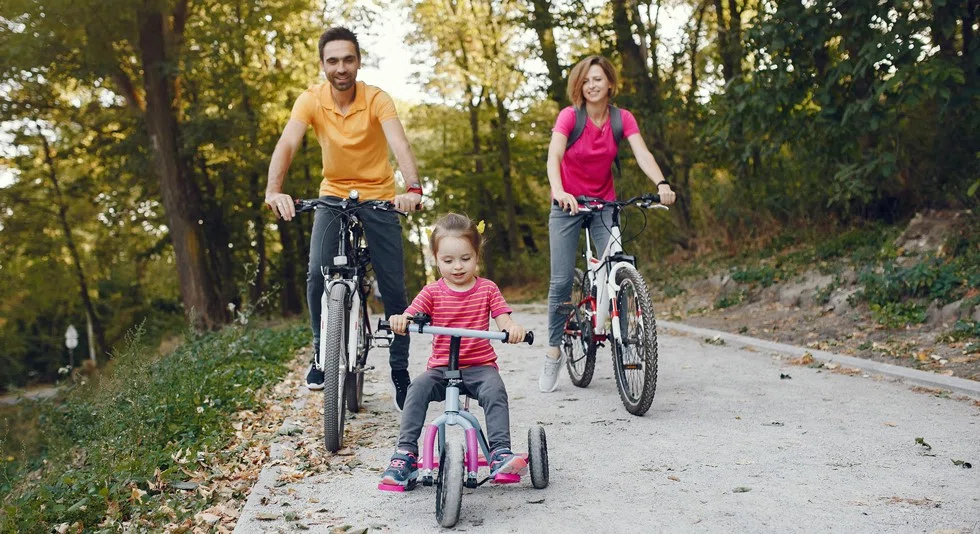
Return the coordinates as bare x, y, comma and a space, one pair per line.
576, 79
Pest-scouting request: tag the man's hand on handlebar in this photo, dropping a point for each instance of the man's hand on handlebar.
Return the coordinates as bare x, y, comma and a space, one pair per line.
567, 202
281, 204
399, 323
408, 202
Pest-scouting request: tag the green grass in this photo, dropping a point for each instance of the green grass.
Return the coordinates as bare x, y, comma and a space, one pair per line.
108, 437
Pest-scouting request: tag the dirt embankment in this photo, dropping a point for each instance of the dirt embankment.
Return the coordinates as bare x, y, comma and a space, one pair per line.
824, 311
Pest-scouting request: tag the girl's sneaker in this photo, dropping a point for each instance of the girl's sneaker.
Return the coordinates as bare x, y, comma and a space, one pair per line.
403, 470
503, 461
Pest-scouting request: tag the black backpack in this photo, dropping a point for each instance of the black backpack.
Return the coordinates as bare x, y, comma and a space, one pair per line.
615, 121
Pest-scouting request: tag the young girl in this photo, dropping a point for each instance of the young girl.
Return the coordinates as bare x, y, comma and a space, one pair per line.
460, 299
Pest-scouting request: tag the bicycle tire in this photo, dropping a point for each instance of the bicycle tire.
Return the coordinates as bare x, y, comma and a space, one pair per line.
449, 486
578, 345
537, 456
334, 356
635, 355
355, 393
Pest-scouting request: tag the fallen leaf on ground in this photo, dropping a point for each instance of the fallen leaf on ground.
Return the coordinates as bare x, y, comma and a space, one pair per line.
741, 489
672, 477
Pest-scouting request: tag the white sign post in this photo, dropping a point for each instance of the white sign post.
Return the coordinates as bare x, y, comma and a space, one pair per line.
71, 341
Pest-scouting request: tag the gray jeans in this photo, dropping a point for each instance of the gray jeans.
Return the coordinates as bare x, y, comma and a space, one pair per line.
483, 381
384, 236
564, 233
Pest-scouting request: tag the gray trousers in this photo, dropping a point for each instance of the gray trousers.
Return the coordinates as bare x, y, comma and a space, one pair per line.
564, 233
483, 381
384, 236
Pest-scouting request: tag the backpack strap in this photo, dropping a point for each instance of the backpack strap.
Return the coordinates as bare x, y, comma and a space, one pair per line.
580, 117
616, 123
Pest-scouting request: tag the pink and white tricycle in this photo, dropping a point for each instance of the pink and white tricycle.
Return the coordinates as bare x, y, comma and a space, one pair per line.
458, 464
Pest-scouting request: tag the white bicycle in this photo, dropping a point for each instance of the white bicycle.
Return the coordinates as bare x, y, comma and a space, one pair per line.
611, 291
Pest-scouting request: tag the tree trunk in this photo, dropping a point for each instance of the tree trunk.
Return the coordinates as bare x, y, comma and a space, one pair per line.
544, 23
290, 301
76, 259
180, 198
636, 78
503, 140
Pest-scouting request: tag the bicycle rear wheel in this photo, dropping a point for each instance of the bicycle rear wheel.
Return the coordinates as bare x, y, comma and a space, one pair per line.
335, 371
635, 353
578, 344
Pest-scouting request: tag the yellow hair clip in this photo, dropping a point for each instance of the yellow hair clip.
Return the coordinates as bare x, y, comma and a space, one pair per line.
480, 226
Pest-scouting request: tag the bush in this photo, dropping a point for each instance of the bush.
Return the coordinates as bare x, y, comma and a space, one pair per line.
110, 436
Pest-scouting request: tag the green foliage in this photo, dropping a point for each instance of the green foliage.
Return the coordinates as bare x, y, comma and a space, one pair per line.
733, 298
107, 437
765, 275
897, 314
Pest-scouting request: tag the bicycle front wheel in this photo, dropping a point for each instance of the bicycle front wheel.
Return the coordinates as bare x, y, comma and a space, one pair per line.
578, 344
335, 372
355, 389
635, 351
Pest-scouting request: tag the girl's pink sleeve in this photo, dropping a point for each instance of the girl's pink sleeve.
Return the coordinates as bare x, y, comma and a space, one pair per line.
422, 303
629, 124
498, 306
565, 122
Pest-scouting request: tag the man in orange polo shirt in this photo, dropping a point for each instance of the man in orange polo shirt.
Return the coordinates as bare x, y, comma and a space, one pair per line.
355, 123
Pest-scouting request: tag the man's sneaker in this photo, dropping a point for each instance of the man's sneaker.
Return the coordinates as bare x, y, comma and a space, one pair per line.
503, 461
314, 378
401, 379
403, 470
549, 373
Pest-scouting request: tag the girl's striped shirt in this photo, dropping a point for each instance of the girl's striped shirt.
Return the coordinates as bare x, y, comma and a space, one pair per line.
470, 309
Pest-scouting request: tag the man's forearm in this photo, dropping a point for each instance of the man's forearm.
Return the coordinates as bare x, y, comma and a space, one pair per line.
281, 158
406, 163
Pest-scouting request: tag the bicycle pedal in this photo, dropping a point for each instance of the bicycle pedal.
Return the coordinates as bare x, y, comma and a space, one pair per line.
363, 369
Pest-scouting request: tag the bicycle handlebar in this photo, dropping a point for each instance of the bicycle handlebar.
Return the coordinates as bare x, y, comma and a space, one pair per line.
422, 320
586, 203
344, 204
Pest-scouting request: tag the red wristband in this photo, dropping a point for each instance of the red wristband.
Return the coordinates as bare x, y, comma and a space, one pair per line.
414, 188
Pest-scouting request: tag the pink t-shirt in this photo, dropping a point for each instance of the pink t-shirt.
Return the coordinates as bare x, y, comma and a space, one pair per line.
470, 309
586, 168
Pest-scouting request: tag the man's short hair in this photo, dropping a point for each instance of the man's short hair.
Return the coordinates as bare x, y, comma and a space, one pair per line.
338, 33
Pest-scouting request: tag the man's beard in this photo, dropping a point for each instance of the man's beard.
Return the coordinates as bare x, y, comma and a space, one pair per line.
342, 85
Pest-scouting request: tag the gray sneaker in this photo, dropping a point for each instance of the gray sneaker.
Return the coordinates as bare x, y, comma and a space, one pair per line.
549, 373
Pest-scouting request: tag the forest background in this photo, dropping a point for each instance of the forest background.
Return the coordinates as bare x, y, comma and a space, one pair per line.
137, 135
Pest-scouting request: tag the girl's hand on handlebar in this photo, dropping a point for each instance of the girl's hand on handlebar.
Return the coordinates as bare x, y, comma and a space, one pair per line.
667, 195
516, 333
399, 323
282, 205
408, 202
567, 202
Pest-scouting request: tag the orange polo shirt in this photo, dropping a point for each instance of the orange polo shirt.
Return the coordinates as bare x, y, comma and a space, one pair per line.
355, 150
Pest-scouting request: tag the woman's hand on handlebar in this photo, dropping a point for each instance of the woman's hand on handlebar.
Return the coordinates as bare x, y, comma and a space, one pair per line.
667, 194
566, 202
282, 205
408, 202
399, 323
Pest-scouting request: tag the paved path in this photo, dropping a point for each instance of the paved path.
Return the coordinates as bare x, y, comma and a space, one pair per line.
728, 446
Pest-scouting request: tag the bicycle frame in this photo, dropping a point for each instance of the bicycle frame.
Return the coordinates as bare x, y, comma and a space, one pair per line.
601, 275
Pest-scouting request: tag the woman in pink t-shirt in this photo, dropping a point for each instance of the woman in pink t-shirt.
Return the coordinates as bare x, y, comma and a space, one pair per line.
585, 168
